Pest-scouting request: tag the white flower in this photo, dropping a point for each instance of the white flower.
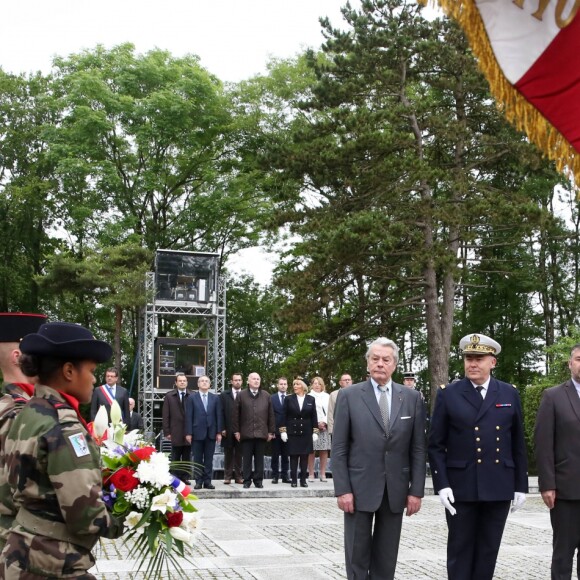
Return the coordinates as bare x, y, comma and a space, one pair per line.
162, 501
139, 497
155, 471
134, 438
180, 534
191, 521
101, 422
116, 413
132, 519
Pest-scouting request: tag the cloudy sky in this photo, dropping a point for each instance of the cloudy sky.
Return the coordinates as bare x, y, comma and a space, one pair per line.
233, 38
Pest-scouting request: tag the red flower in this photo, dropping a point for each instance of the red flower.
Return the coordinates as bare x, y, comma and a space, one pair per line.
123, 479
144, 453
174, 519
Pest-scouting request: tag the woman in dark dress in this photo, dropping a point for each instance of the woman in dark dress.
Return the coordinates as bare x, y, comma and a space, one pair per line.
299, 428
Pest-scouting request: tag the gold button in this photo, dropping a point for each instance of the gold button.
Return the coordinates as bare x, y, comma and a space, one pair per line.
497, 449
497, 460
477, 428
479, 450
478, 439
497, 427
479, 461
497, 438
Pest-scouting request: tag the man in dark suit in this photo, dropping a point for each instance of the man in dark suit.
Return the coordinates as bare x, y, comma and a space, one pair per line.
253, 425
135, 419
203, 428
378, 463
478, 460
231, 446
173, 415
105, 394
557, 442
279, 447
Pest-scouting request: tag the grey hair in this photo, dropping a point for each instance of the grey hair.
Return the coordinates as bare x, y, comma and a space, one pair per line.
382, 341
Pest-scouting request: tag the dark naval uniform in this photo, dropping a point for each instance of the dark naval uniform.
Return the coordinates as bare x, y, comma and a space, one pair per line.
477, 448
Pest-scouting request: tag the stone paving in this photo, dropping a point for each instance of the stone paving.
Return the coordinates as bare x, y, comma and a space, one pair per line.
299, 536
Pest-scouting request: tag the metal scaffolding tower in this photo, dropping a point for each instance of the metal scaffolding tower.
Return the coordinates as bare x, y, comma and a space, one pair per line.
214, 315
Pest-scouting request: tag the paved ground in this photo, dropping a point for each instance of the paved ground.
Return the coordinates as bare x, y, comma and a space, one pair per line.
253, 535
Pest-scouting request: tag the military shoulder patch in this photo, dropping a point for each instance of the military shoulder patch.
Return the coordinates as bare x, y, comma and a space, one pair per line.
79, 444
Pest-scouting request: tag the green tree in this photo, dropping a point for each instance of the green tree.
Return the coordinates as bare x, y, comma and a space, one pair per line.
27, 188
105, 281
400, 161
255, 340
146, 151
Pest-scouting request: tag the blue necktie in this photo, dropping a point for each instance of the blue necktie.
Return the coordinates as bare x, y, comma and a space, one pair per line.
205, 401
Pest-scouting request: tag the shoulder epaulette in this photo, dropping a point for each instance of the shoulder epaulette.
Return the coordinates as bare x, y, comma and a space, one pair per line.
514, 386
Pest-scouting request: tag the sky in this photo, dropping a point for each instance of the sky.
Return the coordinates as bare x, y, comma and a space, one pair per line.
234, 40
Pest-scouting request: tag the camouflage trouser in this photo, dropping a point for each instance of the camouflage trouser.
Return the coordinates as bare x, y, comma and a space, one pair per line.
28, 556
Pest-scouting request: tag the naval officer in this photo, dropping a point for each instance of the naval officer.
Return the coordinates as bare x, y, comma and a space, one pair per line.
478, 460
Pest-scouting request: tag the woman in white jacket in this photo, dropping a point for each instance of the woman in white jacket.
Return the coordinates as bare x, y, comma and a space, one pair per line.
318, 391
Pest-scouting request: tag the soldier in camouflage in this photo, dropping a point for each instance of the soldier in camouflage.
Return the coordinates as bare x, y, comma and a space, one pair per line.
17, 390
52, 462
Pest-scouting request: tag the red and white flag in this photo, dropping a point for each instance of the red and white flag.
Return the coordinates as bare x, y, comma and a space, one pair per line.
530, 52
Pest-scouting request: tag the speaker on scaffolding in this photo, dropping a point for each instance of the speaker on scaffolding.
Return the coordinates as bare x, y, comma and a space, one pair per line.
179, 355
186, 277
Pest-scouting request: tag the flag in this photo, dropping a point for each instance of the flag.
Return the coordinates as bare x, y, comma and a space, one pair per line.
529, 50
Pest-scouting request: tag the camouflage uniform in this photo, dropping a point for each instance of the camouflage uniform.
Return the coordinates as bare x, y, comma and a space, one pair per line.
54, 472
10, 405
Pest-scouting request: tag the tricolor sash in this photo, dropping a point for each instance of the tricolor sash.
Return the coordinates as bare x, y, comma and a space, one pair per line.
107, 394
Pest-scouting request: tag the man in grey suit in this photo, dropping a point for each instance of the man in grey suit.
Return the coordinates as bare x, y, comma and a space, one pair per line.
378, 463
557, 442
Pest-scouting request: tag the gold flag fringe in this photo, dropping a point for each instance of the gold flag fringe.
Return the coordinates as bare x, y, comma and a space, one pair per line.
522, 114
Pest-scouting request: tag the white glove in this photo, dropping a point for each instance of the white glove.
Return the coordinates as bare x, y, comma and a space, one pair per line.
314, 437
284, 436
446, 497
518, 501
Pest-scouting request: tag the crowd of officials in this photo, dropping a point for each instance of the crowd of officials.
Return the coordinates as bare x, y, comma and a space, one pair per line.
51, 507
297, 424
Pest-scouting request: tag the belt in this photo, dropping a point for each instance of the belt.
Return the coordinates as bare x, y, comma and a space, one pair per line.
56, 530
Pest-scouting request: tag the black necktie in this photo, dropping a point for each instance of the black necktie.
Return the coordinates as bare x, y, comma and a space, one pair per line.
182, 395
479, 389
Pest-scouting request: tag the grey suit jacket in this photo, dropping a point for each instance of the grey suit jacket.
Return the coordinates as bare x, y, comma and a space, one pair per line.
365, 457
557, 441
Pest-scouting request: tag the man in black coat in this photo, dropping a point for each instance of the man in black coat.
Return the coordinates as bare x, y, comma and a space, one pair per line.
107, 393
231, 446
557, 444
478, 460
135, 419
279, 447
173, 413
